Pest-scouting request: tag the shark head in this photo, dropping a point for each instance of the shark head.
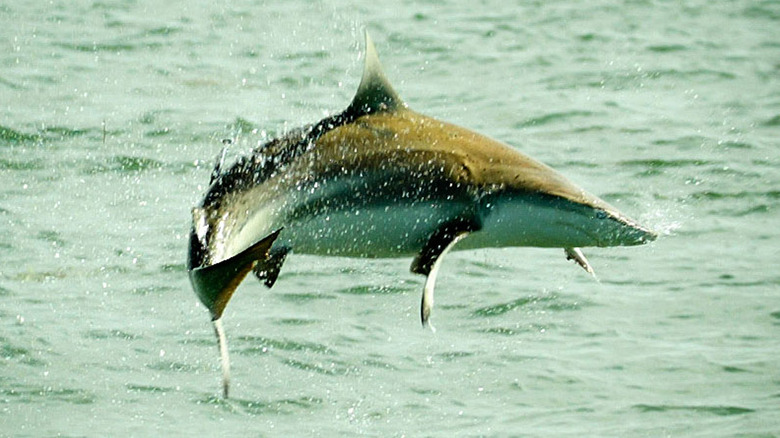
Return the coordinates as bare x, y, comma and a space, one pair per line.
523, 202
542, 219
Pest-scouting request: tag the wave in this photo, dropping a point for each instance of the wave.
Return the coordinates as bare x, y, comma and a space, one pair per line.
720, 411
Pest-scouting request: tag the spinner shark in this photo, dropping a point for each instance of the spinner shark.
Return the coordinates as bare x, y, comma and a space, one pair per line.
381, 180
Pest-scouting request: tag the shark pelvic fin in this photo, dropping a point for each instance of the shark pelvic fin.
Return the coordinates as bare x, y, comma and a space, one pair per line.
579, 258
267, 271
216, 283
428, 261
375, 92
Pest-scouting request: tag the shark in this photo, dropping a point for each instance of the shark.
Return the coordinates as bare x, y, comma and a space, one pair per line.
381, 180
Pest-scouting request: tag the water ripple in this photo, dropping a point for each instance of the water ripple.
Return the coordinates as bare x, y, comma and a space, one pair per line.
720, 411
124, 164
554, 118
30, 394
110, 334
664, 164
263, 344
254, 407
330, 369
373, 290
11, 136
545, 302
666, 48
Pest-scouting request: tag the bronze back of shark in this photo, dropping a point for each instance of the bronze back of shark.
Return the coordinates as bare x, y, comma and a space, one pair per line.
380, 180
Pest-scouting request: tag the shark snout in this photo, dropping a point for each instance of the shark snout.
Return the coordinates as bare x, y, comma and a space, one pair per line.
615, 229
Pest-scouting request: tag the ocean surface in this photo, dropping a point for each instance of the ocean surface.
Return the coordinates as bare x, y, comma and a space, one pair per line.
111, 116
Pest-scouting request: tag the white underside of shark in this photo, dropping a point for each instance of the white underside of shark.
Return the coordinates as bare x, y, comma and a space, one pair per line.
381, 231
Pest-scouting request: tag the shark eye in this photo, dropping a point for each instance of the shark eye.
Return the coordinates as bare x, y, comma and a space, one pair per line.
601, 214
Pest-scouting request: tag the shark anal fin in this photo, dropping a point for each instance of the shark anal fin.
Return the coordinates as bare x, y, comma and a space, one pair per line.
267, 271
579, 258
215, 284
429, 260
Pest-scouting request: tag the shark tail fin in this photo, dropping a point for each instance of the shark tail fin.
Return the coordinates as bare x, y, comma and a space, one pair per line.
216, 283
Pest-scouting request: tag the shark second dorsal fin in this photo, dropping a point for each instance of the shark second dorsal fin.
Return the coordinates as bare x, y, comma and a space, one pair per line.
375, 92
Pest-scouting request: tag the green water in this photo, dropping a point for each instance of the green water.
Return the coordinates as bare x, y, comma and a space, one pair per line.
111, 114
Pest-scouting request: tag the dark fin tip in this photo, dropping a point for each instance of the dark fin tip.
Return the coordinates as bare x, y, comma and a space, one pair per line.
216, 283
374, 93
267, 271
438, 242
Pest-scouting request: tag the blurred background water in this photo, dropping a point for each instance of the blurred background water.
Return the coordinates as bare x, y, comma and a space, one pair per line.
111, 114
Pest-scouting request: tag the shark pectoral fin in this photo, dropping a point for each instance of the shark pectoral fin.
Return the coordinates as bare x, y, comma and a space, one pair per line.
216, 283
428, 261
430, 282
579, 258
438, 242
267, 271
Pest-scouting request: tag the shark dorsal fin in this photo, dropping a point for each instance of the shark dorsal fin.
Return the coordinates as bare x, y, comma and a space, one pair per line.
375, 92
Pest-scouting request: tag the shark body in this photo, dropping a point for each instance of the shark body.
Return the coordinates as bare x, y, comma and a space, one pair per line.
381, 180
